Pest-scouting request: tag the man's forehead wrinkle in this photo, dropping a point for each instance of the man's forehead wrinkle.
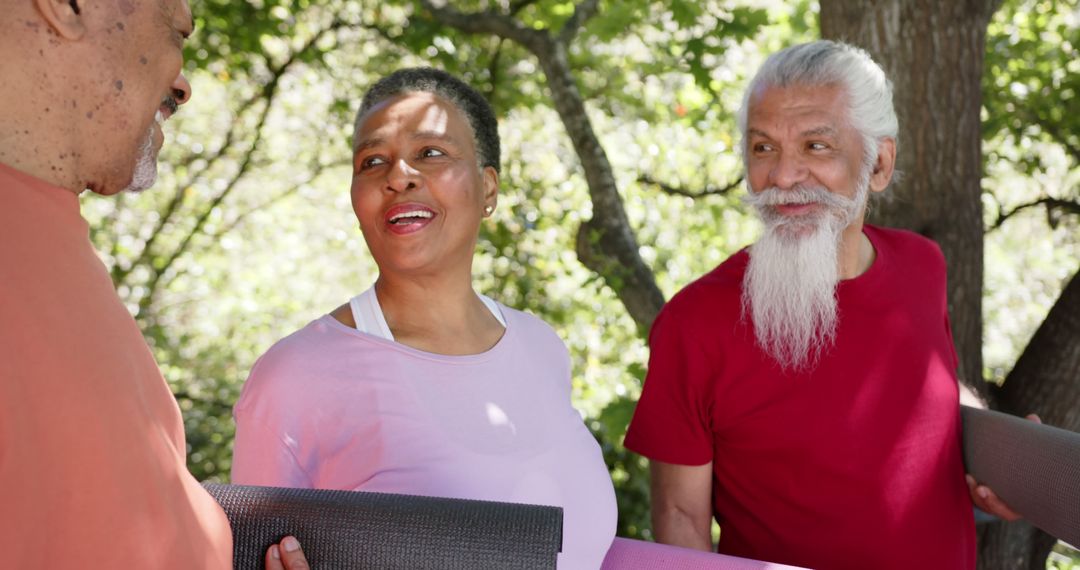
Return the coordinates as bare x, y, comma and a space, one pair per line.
806, 119
821, 130
817, 128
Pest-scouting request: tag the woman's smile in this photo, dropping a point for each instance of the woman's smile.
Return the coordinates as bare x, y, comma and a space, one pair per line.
408, 218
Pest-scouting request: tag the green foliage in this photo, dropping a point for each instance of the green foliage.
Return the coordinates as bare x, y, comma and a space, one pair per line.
250, 233
1032, 81
1031, 122
1063, 557
629, 474
619, 17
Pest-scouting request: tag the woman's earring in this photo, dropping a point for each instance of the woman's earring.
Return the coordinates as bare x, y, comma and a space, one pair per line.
488, 210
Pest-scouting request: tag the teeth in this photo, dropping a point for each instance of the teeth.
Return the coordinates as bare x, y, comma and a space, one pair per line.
413, 214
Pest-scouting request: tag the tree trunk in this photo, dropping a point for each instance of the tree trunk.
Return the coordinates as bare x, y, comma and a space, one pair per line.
1046, 377
1013, 546
606, 244
933, 52
1045, 380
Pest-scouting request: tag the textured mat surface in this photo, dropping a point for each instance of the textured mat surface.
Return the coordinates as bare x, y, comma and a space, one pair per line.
1034, 468
345, 529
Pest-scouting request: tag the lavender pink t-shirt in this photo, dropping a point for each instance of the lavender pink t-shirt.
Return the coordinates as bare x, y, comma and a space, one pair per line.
330, 407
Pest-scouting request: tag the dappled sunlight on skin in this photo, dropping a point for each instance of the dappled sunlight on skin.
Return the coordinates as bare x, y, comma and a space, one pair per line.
432, 124
435, 120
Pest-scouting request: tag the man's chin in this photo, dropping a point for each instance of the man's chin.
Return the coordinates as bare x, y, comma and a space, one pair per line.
796, 229
142, 184
144, 174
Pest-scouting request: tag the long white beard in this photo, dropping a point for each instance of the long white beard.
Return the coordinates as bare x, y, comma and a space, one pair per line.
789, 289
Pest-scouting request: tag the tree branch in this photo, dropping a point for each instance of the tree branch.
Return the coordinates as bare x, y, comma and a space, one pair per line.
1067, 206
1060, 137
267, 94
500, 25
606, 244
215, 404
695, 194
1046, 377
519, 5
582, 12
114, 248
245, 165
316, 171
493, 71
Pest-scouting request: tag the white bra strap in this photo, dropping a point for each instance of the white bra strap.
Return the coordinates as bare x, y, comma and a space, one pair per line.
369, 317
494, 308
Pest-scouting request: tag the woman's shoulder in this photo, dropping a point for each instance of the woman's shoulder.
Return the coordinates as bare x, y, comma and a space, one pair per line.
301, 345
528, 324
284, 369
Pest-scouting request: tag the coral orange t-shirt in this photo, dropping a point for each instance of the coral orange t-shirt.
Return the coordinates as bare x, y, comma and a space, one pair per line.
92, 468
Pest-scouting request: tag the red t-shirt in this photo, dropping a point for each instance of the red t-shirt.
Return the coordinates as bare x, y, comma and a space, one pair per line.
855, 464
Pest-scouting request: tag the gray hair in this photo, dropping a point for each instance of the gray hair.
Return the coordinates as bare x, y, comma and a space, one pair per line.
429, 80
825, 62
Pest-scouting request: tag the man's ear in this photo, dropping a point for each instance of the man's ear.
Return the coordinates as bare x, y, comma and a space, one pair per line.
884, 165
64, 17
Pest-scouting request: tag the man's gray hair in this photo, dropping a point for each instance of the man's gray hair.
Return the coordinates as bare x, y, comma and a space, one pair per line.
825, 62
429, 80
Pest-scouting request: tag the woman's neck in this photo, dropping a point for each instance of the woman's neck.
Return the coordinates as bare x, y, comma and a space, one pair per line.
443, 316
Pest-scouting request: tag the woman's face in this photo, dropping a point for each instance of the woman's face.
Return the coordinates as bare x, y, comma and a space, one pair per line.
417, 188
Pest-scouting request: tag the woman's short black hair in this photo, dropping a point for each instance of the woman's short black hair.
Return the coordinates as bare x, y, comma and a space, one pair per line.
436, 81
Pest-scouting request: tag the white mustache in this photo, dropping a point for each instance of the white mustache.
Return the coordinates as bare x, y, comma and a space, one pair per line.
799, 194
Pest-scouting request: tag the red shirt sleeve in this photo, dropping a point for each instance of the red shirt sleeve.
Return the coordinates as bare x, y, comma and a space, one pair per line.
671, 422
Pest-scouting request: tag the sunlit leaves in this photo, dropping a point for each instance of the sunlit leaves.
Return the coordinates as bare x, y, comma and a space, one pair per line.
661, 80
1031, 126
1032, 78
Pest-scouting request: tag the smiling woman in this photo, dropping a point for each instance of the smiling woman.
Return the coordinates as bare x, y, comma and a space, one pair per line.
420, 385
419, 192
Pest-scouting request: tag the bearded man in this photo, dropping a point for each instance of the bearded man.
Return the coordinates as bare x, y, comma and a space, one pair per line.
804, 392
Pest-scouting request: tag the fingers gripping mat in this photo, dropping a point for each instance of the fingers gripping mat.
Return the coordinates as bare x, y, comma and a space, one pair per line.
1034, 468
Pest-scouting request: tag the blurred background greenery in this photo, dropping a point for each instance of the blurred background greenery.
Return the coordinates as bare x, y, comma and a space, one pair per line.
249, 233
